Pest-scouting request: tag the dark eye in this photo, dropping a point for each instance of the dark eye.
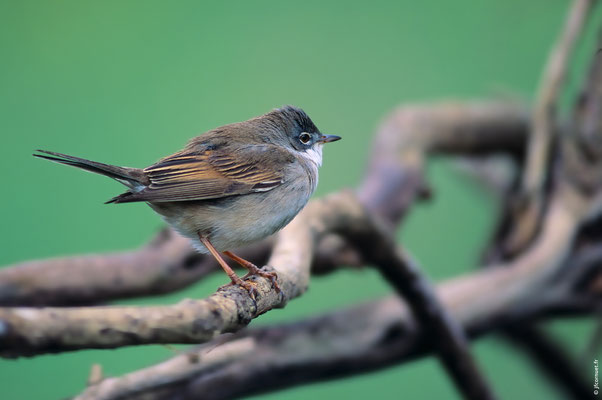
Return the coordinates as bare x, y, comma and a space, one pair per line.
304, 138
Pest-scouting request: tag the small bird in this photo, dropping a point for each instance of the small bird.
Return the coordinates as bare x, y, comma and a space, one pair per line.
230, 186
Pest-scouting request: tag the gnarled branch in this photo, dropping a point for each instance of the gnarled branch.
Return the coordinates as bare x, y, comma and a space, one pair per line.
29, 331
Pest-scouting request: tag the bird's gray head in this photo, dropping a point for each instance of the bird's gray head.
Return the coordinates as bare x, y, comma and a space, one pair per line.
299, 130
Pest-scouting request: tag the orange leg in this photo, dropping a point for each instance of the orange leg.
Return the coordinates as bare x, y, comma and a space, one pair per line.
229, 271
254, 270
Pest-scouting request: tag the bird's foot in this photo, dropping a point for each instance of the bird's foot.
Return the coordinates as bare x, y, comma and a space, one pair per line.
254, 270
247, 285
272, 276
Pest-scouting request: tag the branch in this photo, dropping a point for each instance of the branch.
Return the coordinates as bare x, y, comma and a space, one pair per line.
394, 178
340, 343
30, 331
361, 338
544, 112
579, 166
393, 181
33, 331
544, 124
582, 150
441, 330
166, 264
280, 356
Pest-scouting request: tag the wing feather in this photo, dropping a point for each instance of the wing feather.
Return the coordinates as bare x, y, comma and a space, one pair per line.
212, 174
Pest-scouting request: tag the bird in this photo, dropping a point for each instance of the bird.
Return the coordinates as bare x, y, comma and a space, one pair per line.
230, 186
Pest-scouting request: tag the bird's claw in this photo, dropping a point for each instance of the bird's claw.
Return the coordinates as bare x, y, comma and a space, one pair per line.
272, 276
248, 286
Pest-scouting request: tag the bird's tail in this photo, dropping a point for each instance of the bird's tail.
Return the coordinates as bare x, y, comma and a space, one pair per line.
133, 178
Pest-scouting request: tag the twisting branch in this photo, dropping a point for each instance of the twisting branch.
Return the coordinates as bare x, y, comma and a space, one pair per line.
581, 145
493, 294
29, 331
341, 343
344, 342
543, 238
474, 122
482, 128
393, 180
440, 328
334, 344
165, 264
542, 133
544, 112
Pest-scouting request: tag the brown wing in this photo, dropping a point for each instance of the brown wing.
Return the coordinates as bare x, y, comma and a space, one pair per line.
212, 174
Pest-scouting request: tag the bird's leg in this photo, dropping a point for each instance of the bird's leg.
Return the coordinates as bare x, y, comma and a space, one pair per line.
229, 271
254, 269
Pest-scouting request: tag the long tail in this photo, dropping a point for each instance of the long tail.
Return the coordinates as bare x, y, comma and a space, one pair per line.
133, 178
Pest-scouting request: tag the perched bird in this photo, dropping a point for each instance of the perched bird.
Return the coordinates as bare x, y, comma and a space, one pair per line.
229, 187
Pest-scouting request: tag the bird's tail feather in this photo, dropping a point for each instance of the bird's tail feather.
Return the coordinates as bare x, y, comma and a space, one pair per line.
131, 177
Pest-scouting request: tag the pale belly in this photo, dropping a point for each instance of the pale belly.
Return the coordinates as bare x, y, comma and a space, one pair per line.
236, 221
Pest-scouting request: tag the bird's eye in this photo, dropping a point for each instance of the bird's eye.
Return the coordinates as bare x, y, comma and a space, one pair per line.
304, 138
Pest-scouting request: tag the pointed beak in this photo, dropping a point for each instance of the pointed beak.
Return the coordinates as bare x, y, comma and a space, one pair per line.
329, 138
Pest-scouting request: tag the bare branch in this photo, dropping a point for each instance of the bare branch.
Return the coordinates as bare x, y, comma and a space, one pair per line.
544, 112
344, 342
441, 330
30, 331
166, 264
582, 148
544, 125
392, 182
542, 238
265, 359
394, 178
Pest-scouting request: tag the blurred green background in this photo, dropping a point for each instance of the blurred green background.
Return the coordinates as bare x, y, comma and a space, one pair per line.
127, 82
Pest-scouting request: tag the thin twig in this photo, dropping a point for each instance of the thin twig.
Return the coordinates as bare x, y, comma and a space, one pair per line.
544, 112
544, 124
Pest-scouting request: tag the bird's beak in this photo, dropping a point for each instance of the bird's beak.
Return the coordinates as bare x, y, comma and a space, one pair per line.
329, 138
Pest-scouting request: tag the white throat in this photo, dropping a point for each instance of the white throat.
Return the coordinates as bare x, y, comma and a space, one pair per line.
314, 155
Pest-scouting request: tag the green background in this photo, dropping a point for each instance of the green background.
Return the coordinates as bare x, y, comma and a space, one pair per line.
127, 82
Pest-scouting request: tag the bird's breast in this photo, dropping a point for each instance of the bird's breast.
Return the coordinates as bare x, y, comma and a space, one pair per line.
235, 221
